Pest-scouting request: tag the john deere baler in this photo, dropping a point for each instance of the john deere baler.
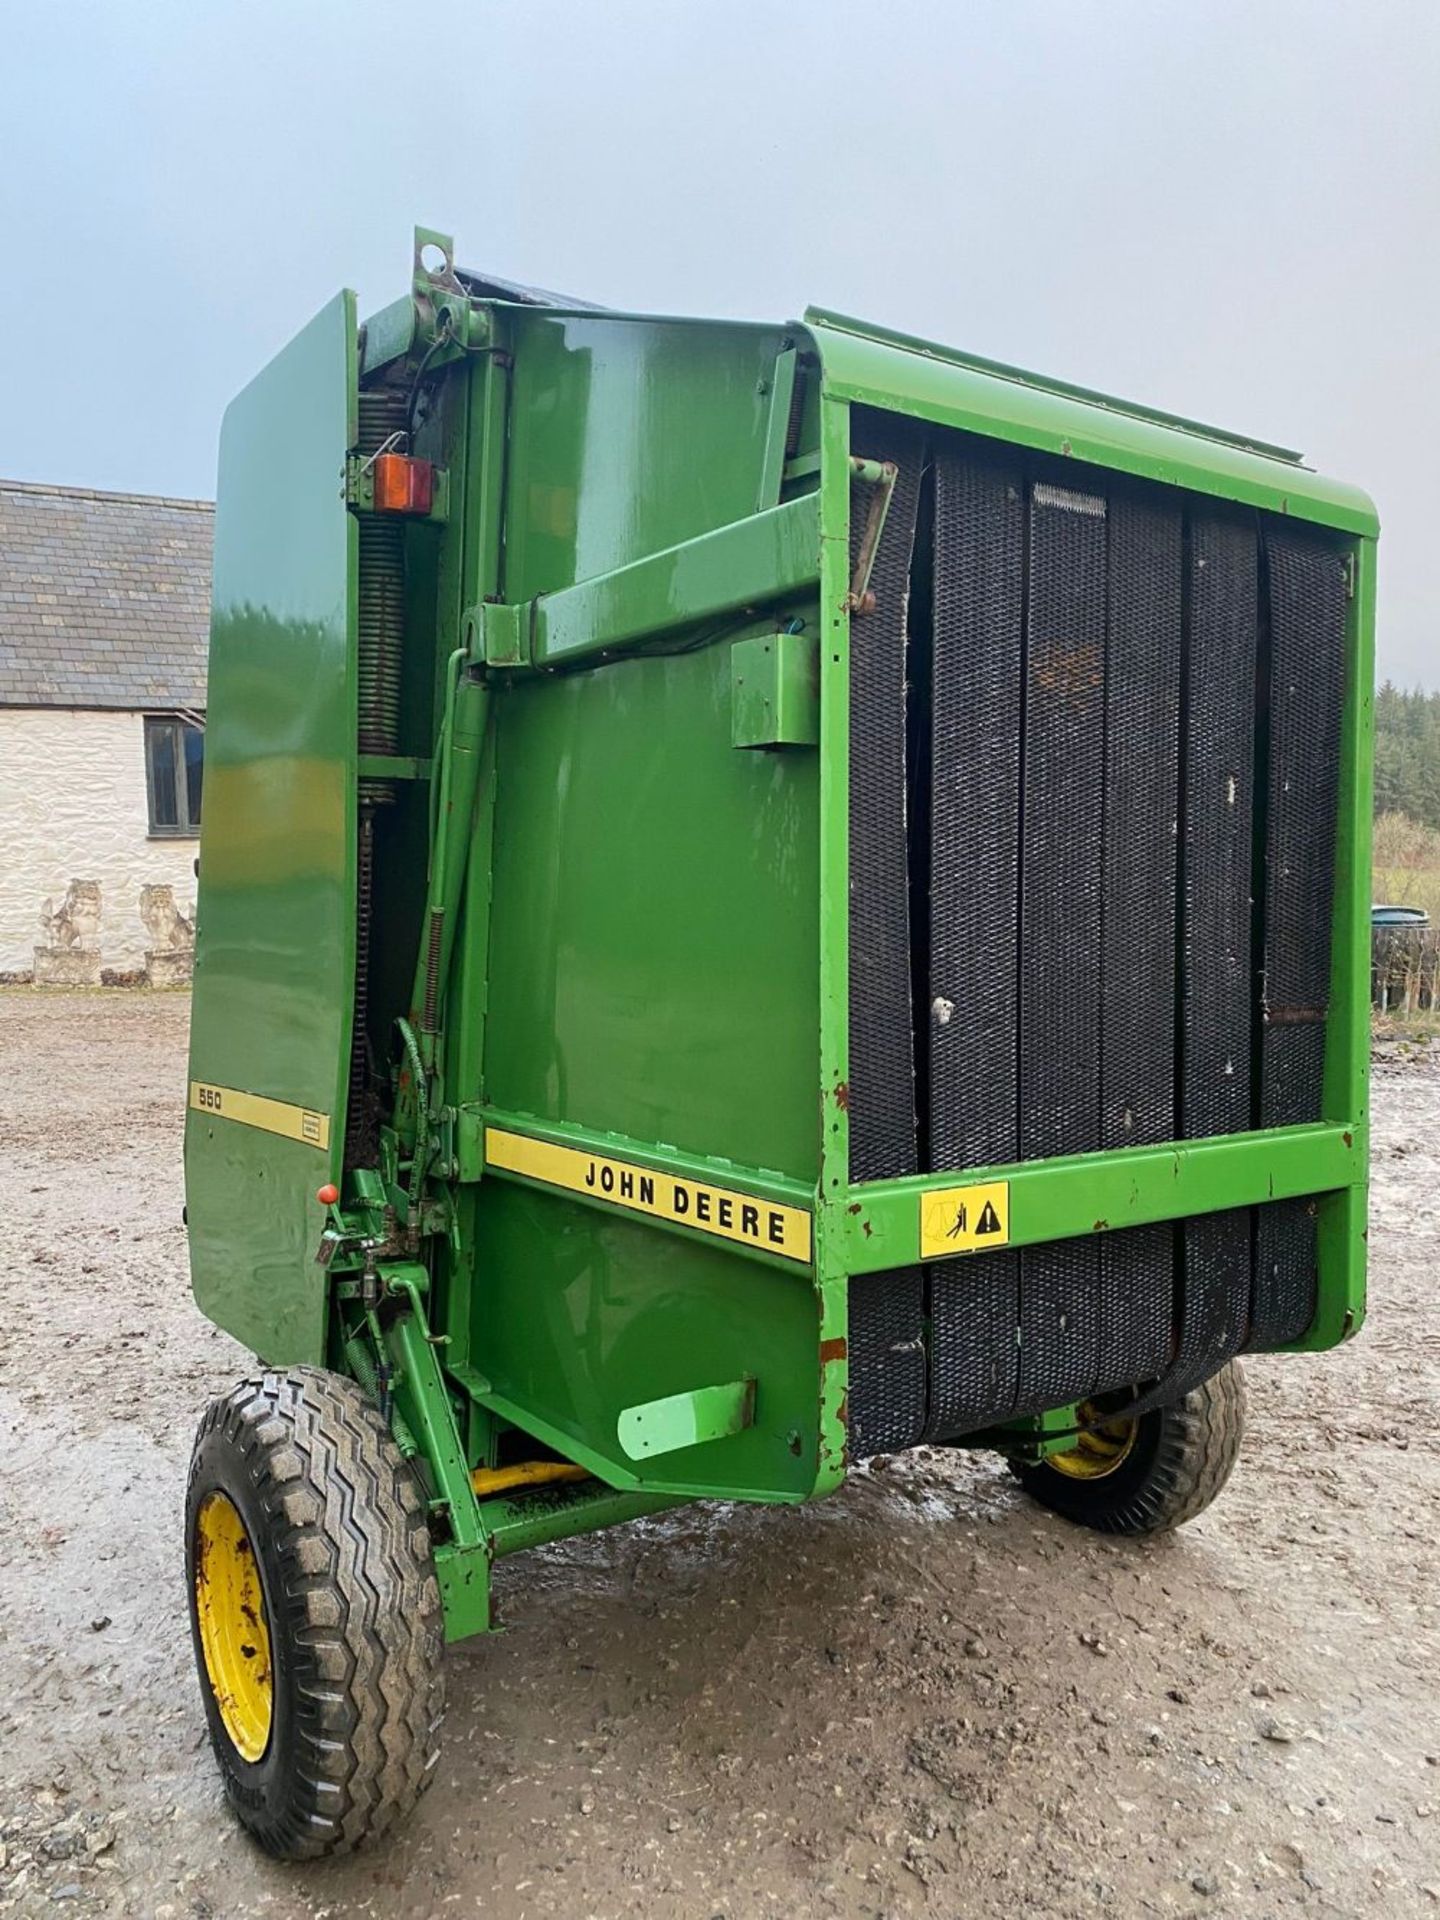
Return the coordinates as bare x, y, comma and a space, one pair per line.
768, 894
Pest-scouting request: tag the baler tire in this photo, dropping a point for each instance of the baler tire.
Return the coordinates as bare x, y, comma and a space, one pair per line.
344, 1720
1178, 1460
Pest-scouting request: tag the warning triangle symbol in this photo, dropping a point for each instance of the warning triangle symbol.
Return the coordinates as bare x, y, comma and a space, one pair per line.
989, 1221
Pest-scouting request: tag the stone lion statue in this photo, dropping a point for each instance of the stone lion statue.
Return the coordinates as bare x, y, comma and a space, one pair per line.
169, 929
76, 921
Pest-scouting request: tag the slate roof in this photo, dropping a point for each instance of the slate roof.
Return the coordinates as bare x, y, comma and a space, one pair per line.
104, 598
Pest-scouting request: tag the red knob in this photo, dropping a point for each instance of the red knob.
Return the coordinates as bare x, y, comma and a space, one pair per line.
328, 1195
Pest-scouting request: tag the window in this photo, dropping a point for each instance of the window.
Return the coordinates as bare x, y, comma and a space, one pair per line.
174, 774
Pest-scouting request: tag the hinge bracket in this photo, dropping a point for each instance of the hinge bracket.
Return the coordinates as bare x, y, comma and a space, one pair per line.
880, 476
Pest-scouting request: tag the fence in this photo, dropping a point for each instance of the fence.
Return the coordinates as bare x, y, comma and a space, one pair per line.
1405, 969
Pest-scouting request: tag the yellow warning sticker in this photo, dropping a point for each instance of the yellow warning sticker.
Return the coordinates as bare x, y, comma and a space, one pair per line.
743, 1217
255, 1110
964, 1219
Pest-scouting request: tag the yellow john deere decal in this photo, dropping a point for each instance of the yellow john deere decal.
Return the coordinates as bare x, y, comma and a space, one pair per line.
964, 1219
254, 1110
666, 1196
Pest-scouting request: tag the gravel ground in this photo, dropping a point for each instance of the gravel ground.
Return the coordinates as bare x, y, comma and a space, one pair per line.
924, 1696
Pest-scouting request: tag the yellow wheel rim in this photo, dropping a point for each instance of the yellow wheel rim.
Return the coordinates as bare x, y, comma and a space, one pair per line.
230, 1609
1100, 1449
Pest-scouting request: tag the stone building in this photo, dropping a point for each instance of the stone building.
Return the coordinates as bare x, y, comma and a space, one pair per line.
104, 622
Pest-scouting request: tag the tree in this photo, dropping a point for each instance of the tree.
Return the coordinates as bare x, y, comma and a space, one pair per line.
1407, 753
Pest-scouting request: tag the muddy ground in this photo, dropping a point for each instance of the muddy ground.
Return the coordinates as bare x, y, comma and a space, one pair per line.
922, 1697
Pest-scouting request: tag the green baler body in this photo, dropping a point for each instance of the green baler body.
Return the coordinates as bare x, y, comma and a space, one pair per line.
636, 1229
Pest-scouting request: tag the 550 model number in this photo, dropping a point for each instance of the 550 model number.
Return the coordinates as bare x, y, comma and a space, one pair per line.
258, 1110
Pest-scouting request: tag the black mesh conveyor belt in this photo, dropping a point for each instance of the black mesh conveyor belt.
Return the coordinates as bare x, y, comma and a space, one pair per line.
974, 1350
882, 1067
1215, 1261
1215, 828
974, 894
975, 812
1307, 635
1061, 877
887, 1357
1306, 585
1283, 1301
1119, 865
1142, 724
886, 1405
1135, 1308
1137, 1038
1061, 861
1216, 786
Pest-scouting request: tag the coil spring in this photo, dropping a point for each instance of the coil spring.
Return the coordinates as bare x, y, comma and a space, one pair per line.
360, 1143
380, 632
380, 618
796, 416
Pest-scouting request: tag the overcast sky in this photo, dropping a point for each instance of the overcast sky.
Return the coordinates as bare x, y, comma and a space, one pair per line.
1228, 208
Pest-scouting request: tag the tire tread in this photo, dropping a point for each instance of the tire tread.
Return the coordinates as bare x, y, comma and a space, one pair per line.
360, 1600
1199, 1442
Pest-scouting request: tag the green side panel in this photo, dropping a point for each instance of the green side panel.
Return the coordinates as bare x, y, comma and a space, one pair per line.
654, 971
654, 958
628, 436
869, 366
581, 1316
654, 930
275, 941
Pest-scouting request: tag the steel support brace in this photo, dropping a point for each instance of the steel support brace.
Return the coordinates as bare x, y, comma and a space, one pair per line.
457, 778
750, 564
529, 1520
1085, 1193
1032, 1438
480, 1532
463, 1562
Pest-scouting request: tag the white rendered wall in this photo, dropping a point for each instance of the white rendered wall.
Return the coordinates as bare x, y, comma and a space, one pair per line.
72, 807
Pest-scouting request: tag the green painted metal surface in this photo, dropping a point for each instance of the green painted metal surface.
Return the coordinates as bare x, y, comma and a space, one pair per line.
873, 368
275, 943
532, 1520
606, 420
655, 925
763, 1184
775, 691
1042, 383
687, 1419
1087, 1193
580, 1315
1037, 1437
641, 957
765, 558
1342, 1216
